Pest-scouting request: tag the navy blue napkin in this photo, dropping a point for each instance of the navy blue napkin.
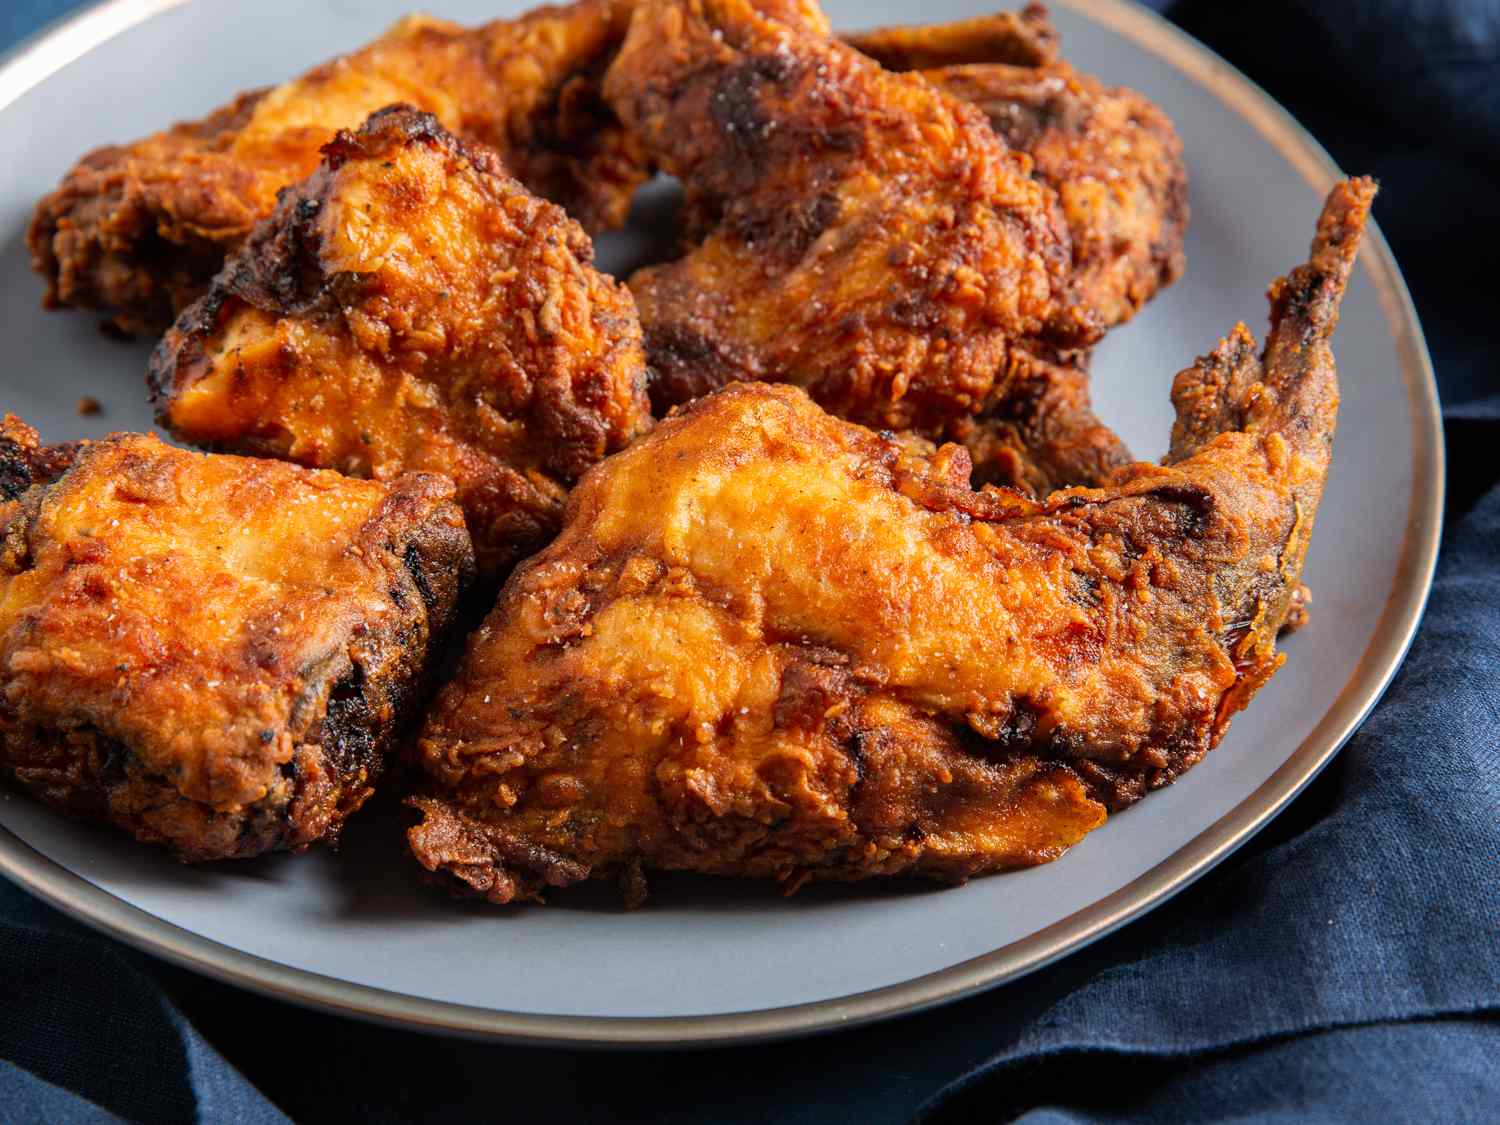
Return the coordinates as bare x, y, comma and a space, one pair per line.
20, 18
1344, 966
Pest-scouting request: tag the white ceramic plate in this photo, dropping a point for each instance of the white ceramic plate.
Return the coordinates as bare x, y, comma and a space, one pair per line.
710, 962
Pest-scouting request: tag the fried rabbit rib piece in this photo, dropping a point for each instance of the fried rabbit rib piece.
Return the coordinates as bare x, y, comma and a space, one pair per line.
864, 236
212, 653
771, 643
140, 229
411, 307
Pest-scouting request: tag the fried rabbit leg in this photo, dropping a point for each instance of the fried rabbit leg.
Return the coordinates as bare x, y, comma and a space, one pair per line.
139, 230
1117, 165
770, 643
212, 653
412, 307
862, 235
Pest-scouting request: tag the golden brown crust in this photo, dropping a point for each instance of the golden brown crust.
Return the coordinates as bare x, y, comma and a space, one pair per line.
139, 230
211, 652
861, 235
412, 307
771, 643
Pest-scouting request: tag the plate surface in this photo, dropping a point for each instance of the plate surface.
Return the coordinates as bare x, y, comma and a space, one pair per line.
707, 961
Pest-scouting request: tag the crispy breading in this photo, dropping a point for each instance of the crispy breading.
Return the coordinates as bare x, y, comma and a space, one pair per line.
210, 652
770, 643
858, 233
138, 230
1112, 156
412, 307
1115, 161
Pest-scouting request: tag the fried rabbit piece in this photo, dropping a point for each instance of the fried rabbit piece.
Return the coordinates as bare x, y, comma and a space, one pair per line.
1117, 166
862, 236
140, 229
1024, 39
212, 653
690, 677
770, 643
411, 307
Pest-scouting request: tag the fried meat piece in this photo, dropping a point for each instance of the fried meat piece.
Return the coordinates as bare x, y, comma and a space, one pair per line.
770, 643
859, 234
1117, 165
140, 229
412, 307
212, 653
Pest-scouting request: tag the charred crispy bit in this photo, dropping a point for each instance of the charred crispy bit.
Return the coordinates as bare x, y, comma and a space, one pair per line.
412, 307
213, 653
770, 643
139, 229
1043, 435
1113, 157
859, 234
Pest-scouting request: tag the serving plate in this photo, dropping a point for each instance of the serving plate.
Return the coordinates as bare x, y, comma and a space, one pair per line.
711, 961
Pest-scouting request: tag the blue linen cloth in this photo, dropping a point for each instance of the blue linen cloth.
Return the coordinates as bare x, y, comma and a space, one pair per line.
1344, 966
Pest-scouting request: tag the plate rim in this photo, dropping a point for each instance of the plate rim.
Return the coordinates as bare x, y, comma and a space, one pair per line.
49, 50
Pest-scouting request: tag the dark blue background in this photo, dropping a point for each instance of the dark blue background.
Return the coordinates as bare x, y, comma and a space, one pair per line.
1344, 966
